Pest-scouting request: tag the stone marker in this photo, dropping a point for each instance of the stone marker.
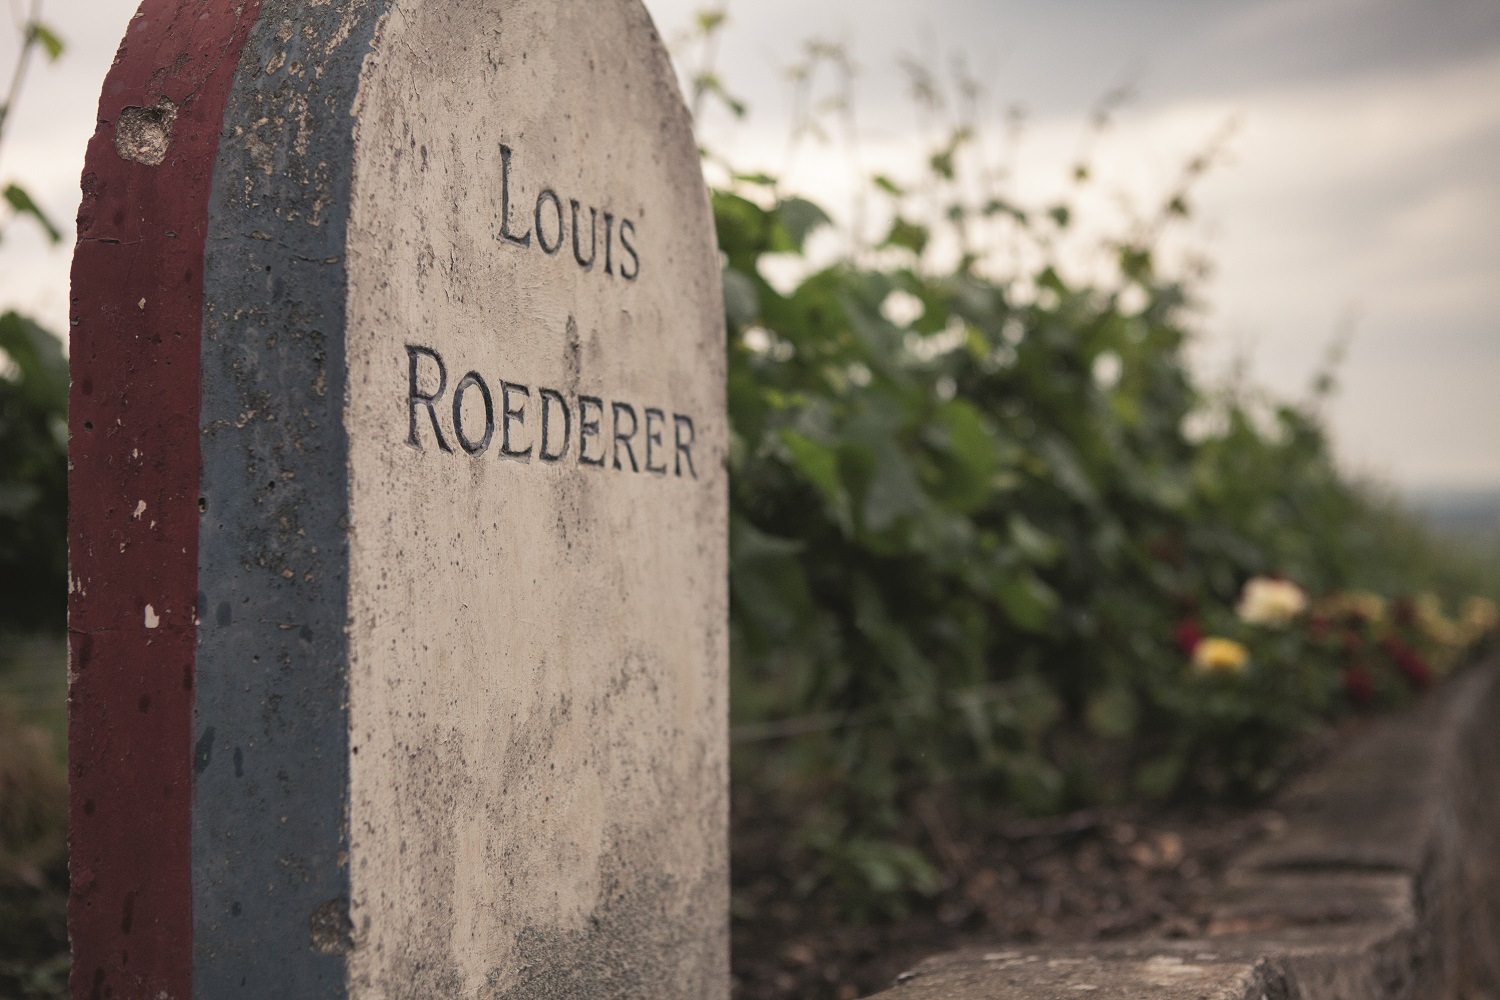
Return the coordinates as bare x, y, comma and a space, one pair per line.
398, 589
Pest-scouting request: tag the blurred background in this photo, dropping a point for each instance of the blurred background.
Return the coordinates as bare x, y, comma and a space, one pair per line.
1065, 337
1357, 197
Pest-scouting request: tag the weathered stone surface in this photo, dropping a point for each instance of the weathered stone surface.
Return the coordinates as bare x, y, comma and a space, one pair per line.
542, 801
1169, 971
1255, 902
400, 591
1386, 885
1373, 807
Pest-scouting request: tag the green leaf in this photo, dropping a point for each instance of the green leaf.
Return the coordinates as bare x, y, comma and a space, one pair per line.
1156, 779
1027, 601
747, 543
800, 218
1036, 546
944, 161
889, 186
999, 206
1035, 705
743, 228
909, 235
49, 41
23, 205
894, 492
1113, 713
710, 21
889, 867
17, 498
39, 360
769, 590
942, 164
1068, 471
1036, 785
741, 300
709, 83
819, 465
974, 456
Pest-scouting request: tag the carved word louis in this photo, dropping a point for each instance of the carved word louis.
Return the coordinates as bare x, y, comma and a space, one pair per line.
552, 226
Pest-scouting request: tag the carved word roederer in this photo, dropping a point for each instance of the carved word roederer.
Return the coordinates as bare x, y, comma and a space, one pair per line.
644, 439
551, 225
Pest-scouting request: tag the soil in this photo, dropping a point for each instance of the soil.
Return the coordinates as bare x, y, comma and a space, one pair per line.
1086, 876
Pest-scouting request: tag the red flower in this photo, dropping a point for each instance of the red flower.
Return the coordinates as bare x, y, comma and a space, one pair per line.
1410, 662
1187, 635
1416, 671
1318, 625
1359, 686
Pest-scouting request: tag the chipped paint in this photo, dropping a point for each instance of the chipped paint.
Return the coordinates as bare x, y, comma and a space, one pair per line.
141, 226
143, 135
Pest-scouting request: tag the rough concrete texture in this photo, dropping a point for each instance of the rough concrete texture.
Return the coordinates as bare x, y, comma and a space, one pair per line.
1387, 885
270, 713
538, 580
399, 570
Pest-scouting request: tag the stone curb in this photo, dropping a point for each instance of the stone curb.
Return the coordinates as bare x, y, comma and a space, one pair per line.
1386, 885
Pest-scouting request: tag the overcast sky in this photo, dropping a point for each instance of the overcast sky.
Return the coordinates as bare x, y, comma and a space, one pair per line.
1363, 185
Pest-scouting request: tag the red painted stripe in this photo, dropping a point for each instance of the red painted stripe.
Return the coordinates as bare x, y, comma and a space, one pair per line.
137, 314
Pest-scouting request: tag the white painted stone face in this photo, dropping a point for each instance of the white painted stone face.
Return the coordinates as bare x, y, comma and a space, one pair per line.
538, 643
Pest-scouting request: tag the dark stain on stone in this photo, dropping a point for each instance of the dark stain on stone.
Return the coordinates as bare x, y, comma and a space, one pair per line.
636, 941
203, 753
330, 928
572, 357
435, 778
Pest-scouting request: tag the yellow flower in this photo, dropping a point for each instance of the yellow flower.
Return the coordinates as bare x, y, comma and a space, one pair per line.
1370, 607
1435, 625
1480, 617
1361, 604
1220, 656
1271, 602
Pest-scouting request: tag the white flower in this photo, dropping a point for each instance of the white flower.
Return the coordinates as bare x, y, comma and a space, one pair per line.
902, 308
1271, 602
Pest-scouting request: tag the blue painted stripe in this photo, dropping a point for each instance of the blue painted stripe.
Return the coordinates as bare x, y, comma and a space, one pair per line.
270, 817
